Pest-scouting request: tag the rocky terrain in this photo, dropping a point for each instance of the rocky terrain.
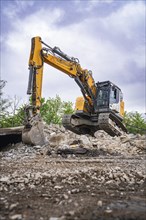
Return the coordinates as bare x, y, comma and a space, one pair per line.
74, 177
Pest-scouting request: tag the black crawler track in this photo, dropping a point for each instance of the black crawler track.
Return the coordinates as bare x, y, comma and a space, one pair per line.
105, 121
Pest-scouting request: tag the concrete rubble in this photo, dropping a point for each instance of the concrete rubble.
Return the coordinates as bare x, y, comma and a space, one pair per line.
127, 144
59, 139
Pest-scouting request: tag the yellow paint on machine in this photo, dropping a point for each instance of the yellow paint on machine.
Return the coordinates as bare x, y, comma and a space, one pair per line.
80, 104
122, 108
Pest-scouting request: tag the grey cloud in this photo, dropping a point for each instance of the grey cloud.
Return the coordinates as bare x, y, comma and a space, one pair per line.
112, 53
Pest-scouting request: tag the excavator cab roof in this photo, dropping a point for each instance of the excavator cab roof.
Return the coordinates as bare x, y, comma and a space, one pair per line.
107, 83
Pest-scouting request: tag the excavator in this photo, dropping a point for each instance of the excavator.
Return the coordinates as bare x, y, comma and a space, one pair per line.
101, 106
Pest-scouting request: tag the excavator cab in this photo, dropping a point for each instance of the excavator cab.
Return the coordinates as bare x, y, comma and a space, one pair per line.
107, 113
109, 98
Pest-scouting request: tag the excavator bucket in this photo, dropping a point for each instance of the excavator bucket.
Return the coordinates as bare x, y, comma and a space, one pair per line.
33, 134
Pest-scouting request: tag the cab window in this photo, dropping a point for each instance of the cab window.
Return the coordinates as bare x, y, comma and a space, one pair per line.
102, 98
114, 95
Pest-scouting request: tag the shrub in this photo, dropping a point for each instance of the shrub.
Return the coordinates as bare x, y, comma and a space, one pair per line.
135, 123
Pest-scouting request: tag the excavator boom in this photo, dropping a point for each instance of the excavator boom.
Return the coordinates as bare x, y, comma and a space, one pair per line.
57, 59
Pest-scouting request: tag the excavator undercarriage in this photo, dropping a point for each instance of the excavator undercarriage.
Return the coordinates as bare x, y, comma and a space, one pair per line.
90, 124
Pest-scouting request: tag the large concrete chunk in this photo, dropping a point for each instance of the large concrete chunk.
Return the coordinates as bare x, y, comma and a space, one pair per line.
34, 135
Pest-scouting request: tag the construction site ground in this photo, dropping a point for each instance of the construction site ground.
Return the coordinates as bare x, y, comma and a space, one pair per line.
70, 180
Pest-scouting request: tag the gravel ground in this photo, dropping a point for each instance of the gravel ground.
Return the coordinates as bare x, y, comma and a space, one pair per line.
74, 177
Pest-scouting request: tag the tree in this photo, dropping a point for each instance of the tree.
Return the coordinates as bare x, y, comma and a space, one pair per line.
135, 123
13, 120
53, 109
4, 103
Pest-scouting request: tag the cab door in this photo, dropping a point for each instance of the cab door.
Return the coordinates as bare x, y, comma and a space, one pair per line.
114, 99
103, 98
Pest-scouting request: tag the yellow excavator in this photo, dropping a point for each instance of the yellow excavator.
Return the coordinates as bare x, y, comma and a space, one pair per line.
100, 108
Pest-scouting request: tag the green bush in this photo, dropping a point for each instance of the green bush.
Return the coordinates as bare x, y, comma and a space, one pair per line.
135, 123
53, 109
8, 120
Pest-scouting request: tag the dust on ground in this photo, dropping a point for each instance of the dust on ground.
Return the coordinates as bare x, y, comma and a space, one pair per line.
74, 177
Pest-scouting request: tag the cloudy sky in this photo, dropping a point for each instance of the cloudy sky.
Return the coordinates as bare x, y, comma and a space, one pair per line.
107, 36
